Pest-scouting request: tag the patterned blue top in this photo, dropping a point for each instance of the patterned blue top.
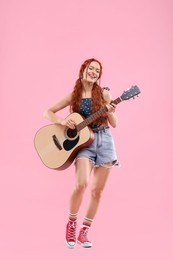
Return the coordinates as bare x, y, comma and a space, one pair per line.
85, 107
85, 110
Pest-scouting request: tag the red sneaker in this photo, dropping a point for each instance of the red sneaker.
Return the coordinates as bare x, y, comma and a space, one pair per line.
70, 238
82, 239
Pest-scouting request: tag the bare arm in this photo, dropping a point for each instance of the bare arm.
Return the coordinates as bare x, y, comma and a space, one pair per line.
112, 118
50, 113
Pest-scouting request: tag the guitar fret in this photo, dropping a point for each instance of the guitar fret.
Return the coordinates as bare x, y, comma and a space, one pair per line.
91, 118
58, 145
97, 114
116, 101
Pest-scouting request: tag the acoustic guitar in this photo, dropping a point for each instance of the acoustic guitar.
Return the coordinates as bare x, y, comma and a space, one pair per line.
58, 145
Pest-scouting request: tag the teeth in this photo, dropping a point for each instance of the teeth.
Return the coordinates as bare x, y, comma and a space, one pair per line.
93, 77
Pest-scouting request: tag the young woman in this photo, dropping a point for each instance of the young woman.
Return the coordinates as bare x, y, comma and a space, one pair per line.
86, 98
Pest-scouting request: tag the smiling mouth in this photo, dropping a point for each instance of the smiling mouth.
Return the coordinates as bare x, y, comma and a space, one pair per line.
91, 76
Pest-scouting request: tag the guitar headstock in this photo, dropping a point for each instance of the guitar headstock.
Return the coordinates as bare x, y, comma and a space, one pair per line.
130, 93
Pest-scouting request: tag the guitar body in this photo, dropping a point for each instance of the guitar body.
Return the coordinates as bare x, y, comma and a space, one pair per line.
57, 145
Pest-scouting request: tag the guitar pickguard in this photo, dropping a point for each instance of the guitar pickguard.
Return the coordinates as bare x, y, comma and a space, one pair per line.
69, 144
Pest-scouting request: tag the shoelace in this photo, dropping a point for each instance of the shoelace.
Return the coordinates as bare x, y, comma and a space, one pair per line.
84, 235
72, 231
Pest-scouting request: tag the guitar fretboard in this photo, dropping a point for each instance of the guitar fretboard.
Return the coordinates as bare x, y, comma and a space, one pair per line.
95, 116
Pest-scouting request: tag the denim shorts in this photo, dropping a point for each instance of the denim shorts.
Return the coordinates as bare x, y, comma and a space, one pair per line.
102, 150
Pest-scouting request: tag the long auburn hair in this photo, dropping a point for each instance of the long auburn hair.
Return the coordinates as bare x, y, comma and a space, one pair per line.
97, 95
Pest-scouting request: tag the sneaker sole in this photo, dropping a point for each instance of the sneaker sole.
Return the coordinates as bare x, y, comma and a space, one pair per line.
84, 245
69, 246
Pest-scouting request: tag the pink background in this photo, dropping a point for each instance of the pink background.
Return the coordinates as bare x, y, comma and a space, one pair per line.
42, 46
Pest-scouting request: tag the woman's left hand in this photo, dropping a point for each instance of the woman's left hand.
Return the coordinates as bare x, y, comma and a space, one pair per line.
111, 107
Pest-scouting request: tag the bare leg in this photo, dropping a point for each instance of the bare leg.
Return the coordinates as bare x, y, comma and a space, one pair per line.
100, 178
83, 171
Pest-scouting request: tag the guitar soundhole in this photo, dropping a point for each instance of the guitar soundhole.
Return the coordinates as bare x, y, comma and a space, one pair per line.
71, 133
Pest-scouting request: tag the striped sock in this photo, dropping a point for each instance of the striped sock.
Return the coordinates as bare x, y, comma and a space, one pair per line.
72, 217
87, 222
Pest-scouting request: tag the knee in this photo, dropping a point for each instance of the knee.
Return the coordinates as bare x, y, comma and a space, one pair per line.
96, 193
81, 187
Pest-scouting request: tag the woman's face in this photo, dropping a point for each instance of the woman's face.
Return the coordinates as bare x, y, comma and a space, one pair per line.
92, 72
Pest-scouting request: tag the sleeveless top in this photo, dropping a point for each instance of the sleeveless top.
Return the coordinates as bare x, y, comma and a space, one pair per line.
85, 108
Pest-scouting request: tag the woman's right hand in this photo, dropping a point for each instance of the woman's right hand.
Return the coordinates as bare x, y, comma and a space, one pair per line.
69, 123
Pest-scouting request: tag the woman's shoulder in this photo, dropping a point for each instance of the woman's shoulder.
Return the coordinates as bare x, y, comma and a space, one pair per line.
67, 98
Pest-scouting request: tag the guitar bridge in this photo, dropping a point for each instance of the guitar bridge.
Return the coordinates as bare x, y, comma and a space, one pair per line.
56, 142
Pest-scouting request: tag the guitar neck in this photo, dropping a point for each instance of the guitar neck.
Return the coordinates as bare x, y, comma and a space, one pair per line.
96, 115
